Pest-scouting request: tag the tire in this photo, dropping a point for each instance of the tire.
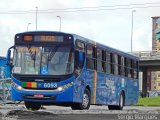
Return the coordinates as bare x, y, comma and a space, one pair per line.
121, 102
85, 105
32, 105
120, 105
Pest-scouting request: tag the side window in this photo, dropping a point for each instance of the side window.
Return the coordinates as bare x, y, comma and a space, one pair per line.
135, 68
91, 55
125, 67
112, 63
115, 64
80, 46
99, 59
94, 58
90, 63
108, 62
119, 65
108, 56
132, 70
99, 54
129, 67
103, 61
89, 51
122, 66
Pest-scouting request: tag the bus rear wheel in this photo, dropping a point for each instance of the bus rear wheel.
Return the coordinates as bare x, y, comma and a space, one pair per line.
120, 105
32, 105
85, 102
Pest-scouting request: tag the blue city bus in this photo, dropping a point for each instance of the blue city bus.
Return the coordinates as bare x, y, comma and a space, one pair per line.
56, 68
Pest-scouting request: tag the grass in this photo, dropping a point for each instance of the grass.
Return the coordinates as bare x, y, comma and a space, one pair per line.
152, 101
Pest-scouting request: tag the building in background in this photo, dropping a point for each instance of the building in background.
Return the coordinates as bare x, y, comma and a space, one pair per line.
156, 33
155, 76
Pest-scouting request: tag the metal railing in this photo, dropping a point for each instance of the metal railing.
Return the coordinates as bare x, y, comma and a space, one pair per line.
5, 87
147, 55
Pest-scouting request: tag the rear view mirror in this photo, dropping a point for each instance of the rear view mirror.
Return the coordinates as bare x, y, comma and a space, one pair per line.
9, 56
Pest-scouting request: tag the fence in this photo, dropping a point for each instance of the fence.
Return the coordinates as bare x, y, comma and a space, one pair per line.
5, 86
147, 55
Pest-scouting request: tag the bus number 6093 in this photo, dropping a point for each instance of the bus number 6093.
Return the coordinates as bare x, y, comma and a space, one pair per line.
50, 85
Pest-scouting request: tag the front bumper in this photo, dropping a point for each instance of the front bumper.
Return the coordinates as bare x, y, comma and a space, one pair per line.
63, 95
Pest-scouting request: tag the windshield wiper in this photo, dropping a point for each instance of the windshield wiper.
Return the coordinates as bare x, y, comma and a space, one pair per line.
32, 55
52, 52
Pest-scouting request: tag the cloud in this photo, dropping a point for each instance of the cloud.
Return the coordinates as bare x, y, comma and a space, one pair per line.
142, 38
111, 28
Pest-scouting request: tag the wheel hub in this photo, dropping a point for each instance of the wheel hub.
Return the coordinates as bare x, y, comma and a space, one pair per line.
85, 100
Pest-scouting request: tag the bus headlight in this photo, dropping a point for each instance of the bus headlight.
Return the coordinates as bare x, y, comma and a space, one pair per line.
17, 86
61, 88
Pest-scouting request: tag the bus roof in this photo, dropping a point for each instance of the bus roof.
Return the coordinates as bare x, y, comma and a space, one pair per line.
97, 44
125, 54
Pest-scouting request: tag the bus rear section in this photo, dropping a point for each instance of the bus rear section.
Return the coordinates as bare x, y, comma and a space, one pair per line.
112, 76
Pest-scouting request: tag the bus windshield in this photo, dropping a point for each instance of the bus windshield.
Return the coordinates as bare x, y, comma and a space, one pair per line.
55, 60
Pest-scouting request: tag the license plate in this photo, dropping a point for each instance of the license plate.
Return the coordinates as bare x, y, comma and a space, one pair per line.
39, 96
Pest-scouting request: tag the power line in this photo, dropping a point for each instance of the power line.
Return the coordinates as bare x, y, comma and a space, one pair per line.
98, 8
83, 10
105, 6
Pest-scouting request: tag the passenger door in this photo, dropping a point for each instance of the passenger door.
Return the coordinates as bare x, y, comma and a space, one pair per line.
80, 71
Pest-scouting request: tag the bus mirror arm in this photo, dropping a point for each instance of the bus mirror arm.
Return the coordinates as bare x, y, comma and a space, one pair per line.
8, 63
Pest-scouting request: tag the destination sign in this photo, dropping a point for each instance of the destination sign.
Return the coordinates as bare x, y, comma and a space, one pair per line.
42, 38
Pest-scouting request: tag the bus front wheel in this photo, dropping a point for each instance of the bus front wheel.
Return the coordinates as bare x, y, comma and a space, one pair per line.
32, 105
85, 102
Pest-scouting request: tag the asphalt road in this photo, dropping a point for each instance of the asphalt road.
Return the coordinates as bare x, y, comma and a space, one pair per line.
19, 112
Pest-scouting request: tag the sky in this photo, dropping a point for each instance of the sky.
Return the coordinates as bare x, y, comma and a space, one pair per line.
105, 21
